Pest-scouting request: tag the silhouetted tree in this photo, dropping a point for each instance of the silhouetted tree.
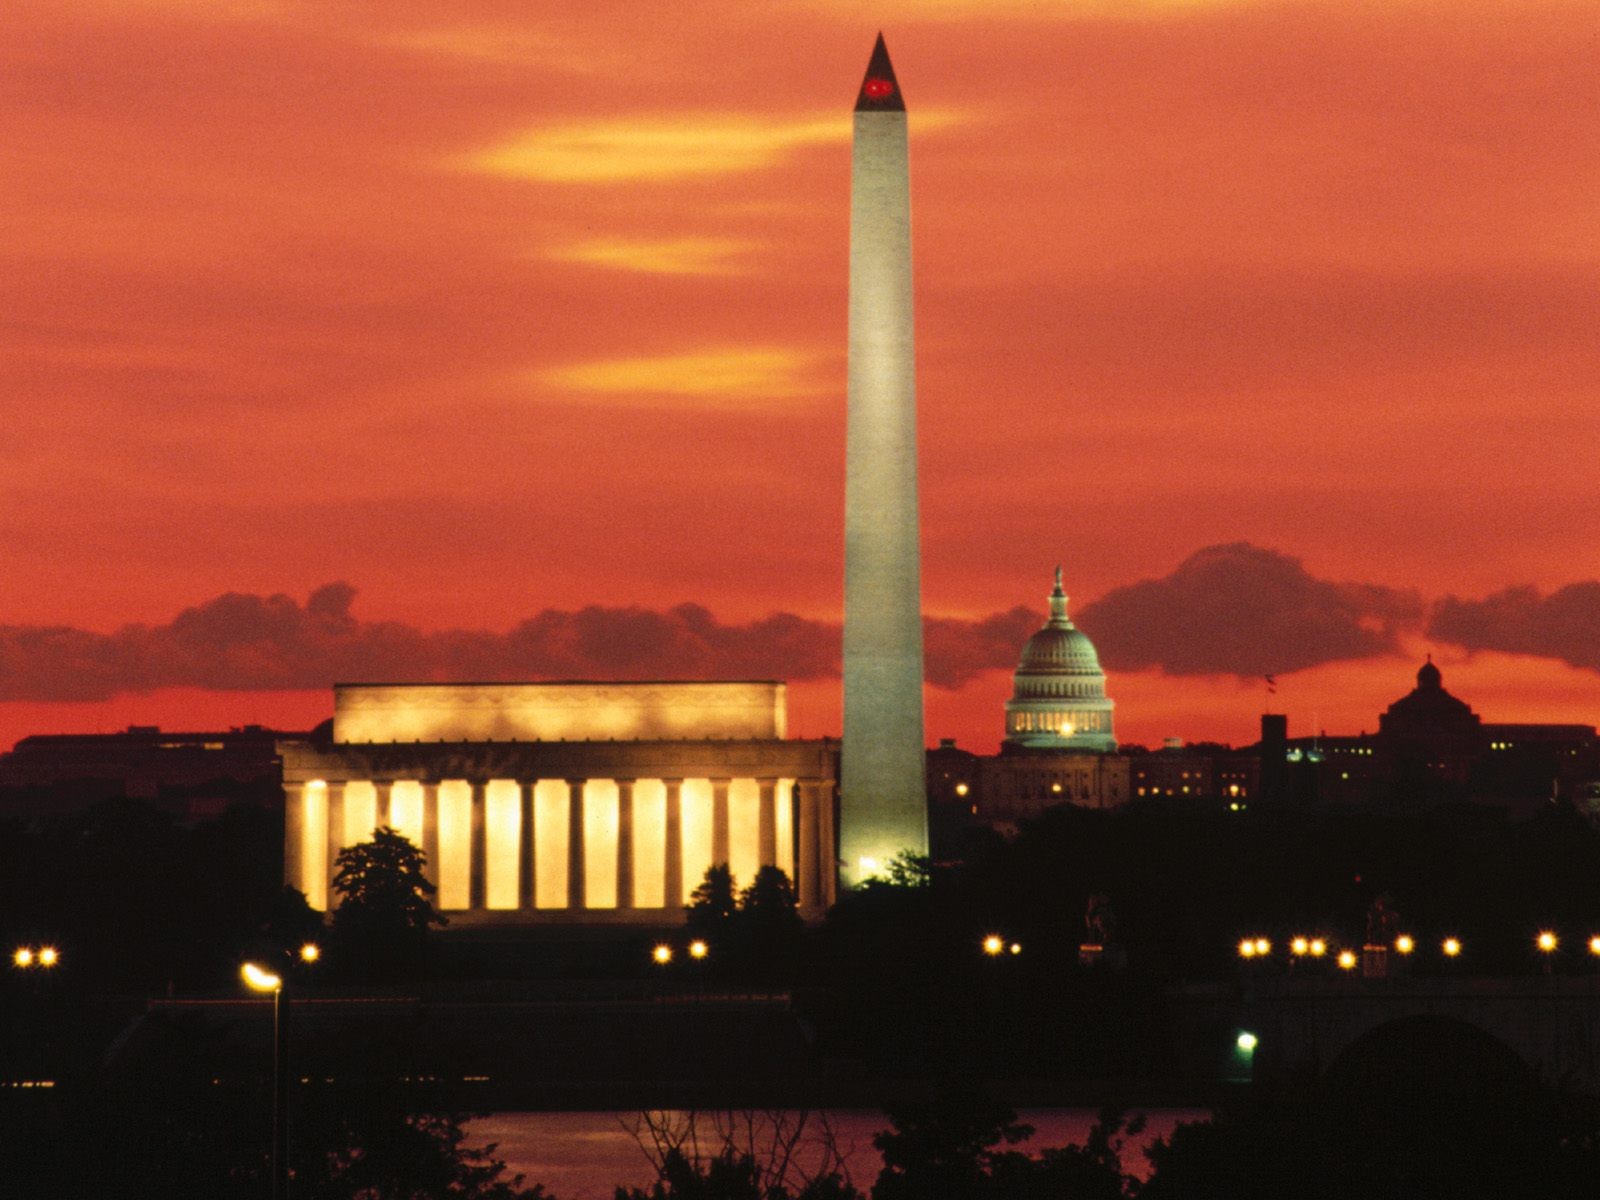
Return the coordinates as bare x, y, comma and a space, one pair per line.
291, 921
945, 1147
713, 904
386, 907
769, 912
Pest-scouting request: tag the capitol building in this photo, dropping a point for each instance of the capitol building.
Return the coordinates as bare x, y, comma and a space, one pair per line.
1059, 699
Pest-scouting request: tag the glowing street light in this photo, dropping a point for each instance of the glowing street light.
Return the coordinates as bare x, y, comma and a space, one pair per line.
1247, 948
1347, 960
1451, 947
1016, 947
1318, 947
698, 949
1300, 947
1263, 947
28, 957
1246, 1041
994, 945
260, 979
1594, 945
1404, 944
661, 954
1547, 942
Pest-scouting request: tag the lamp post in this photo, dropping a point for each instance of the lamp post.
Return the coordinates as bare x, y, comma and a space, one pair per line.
259, 979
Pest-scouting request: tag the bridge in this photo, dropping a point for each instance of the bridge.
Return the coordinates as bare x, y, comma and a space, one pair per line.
1310, 1028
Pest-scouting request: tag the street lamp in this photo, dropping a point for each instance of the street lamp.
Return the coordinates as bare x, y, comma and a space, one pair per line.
698, 949
1547, 942
1451, 947
260, 979
1404, 944
661, 955
1347, 960
994, 945
23, 957
1594, 945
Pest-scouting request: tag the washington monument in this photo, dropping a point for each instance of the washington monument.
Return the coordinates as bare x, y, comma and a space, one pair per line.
883, 807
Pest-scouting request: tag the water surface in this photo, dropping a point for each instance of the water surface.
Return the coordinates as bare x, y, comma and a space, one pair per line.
586, 1155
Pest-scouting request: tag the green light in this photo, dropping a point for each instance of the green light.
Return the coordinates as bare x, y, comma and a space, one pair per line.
1246, 1042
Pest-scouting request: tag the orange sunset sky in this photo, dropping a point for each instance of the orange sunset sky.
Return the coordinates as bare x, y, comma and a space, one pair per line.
521, 325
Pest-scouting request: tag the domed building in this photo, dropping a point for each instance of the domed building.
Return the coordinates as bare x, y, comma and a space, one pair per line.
1058, 699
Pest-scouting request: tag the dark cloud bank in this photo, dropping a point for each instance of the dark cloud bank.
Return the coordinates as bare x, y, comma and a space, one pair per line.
1232, 609
1238, 609
1564, 625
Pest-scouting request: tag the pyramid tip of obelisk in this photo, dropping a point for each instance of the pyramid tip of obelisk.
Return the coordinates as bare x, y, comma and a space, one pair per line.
880, 90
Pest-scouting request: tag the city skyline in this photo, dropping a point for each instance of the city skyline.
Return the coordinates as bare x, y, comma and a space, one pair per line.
1273, 322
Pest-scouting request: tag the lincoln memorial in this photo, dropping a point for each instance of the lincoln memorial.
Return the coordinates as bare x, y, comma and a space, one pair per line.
565, 803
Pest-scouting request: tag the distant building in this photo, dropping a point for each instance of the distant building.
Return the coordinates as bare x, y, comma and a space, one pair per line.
566, 803
1058, 701
1206, 772
194, 776
1431, 748
1059, 746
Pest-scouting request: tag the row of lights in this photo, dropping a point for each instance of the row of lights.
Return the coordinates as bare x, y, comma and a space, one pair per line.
662, 953
28, 957
1547, 943
994, 946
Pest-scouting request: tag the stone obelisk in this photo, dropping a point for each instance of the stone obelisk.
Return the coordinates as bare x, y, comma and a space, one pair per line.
883, 805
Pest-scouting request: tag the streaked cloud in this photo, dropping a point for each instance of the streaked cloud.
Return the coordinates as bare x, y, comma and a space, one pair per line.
658, 148
494, 44
661, 148
908, 11
735, 375
660, 256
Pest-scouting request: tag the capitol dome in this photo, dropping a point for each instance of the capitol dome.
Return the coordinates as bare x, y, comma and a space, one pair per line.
1058, 699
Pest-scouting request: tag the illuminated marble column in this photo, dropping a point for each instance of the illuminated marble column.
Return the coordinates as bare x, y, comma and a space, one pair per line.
809, 860
335, 835
430, 832
526, 849
625, 844
673, 897
767, 821
294, 832
575, 845
478, 883
719, 821
885, 803
382, 792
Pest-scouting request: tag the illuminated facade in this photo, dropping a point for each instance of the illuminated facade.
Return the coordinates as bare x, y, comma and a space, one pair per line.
1059, 699
565, 803
884, 804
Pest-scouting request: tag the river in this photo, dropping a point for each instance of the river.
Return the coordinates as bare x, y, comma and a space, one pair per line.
586, 1155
